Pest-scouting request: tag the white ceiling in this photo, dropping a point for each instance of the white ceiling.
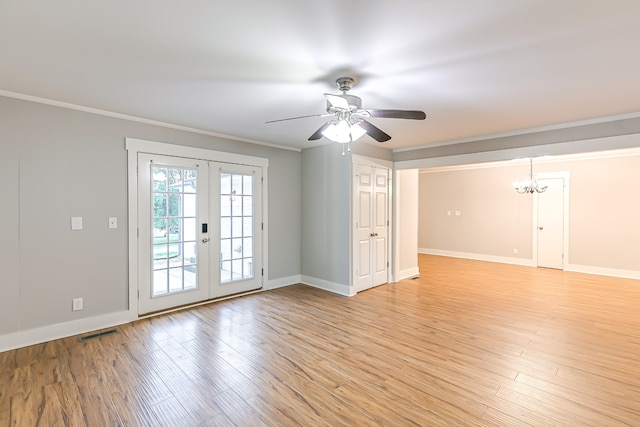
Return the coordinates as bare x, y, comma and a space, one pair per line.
476, 67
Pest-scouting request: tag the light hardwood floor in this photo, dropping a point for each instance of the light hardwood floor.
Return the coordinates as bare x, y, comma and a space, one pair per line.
468, 344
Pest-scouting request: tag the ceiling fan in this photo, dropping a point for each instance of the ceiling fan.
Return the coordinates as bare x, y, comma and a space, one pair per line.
350, 119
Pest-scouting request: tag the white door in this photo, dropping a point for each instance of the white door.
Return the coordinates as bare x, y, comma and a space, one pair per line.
550, 228
171, 208
371, 258
200, 228
236, 194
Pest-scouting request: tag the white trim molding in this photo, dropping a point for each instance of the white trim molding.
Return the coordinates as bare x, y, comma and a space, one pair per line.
591, 148
152, 147
282, 282
538, 129
603, 271
62, 330
336, 288
479, 257
410, 272
574, 268
130, 118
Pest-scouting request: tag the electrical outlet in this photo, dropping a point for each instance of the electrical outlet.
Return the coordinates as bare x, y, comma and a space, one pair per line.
515, 252
78, 304
113, 222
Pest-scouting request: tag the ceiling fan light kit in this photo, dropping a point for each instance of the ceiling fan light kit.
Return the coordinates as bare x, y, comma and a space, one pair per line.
343, 132
349, 118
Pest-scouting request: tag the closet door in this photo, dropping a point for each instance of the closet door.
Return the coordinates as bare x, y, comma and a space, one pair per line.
371, 227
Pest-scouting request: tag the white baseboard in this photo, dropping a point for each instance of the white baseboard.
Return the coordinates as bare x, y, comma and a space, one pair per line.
409, 272
62, 330
478, 257
588, 269
88, 324
336, 288
282, 282
603, 271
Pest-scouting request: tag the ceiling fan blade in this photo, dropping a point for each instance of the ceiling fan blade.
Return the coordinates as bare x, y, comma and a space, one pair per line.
318, 134
398, 114
337, 101
374, 132
300, 117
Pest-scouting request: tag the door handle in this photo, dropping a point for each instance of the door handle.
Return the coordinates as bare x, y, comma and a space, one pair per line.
205, 240
373, 234
540, 228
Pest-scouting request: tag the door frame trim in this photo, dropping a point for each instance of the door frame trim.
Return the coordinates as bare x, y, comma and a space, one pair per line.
565, 176
135, 146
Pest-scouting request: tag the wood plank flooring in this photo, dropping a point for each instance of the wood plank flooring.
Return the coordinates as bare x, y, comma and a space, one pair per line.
467, 344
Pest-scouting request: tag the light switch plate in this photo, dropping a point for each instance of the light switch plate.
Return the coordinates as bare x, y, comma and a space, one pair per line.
113, 222
76, 223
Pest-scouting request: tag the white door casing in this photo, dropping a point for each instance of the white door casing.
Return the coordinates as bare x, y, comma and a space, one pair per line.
363, 227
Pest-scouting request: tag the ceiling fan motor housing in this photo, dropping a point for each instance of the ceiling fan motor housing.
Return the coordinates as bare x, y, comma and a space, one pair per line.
355, 104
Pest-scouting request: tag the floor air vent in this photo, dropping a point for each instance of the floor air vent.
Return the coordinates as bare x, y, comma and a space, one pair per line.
98, 335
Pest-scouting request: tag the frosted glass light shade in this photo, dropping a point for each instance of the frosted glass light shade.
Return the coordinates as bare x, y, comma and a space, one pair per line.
342, 132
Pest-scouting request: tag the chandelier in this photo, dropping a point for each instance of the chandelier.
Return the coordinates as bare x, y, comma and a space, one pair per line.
529, 185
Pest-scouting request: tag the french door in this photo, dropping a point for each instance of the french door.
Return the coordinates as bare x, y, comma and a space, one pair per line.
200, 228
236, 198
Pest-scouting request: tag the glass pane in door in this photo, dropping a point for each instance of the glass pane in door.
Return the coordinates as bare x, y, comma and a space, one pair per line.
174, 230
236, 227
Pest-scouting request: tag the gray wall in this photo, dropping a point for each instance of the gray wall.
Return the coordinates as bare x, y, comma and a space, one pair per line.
326, 202
493, 220
603, 214
56, 163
